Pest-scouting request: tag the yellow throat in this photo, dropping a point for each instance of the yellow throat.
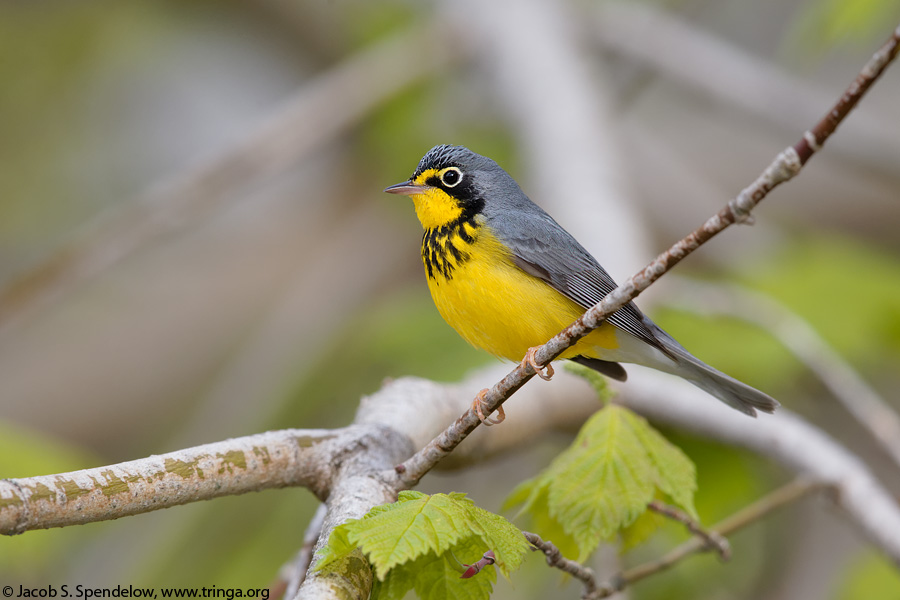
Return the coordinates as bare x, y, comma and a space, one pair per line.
479, 290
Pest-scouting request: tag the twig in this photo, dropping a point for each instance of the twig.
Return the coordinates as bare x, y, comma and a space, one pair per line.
712, 539
804, 342
556, 560
785, 166
814, 138
784, 495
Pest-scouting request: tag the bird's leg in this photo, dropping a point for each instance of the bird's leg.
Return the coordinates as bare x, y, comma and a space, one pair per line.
529, 360
478, 407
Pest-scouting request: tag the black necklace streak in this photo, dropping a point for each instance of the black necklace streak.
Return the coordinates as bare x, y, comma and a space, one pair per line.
440, 254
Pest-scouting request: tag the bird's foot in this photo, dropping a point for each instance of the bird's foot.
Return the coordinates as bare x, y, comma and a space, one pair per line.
478, 407
529, 360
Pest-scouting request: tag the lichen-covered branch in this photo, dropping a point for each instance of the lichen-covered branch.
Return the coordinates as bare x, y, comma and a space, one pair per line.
274, 459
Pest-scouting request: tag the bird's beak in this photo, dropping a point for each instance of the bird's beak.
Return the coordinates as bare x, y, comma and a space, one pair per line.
406, 188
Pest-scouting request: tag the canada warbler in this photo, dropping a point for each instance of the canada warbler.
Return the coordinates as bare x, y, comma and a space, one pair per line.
507, 277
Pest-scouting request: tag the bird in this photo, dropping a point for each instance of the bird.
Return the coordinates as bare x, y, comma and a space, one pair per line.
507, 277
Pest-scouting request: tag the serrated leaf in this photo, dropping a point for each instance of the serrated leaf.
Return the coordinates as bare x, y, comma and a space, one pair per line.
438, 577
676, 474
415, 525
419, 530
603, 482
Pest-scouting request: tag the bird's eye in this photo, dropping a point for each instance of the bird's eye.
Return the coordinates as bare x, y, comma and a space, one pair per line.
451, 177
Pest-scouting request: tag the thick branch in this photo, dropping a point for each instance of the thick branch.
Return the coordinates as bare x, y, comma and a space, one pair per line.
292, 457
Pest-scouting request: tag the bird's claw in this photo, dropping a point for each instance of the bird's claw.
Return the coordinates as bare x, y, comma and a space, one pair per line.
478, 407
529, 360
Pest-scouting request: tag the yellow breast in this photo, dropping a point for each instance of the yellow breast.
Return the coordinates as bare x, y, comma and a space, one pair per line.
492, 303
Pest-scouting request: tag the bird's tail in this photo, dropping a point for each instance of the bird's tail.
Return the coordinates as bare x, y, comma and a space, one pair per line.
727, 389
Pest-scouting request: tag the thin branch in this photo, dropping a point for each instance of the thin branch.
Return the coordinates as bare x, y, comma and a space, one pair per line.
859, 398
556, 560
814, 138
786, 494
785, 166
713, 540
319, 112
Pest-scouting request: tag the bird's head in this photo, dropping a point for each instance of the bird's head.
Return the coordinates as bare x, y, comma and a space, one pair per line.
448, 185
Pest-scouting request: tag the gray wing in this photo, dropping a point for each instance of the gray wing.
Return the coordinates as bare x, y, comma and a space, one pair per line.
542, 248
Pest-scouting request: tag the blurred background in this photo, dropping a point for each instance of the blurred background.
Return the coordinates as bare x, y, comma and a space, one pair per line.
194, 244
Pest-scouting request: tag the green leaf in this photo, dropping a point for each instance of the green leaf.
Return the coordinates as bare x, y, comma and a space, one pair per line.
419, 541
603, 482
676, 476
438, 577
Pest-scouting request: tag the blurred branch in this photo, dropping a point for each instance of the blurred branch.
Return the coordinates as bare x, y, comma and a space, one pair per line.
694, 57
798, 336
318, 113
